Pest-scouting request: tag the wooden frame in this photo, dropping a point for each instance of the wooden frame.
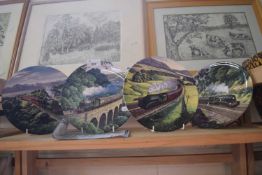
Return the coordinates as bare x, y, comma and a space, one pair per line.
151, 5
17, 34
125, 44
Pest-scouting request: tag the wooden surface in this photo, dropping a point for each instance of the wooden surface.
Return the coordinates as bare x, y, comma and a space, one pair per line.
140, 138
18, 160
239, 165
130, 161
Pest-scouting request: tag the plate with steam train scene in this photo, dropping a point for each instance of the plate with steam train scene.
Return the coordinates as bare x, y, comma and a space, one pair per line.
160, 94
92, 97
31, 99
2, 84
225, 91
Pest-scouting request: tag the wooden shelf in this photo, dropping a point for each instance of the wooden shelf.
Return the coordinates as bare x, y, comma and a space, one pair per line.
139, 138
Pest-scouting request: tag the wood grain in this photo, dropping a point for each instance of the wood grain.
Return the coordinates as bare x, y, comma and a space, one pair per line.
140, 138
239, 166
129, 161
28, 163
18, 160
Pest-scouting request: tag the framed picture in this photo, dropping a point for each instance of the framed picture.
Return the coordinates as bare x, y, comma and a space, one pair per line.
68, 33
197, 33
11, 21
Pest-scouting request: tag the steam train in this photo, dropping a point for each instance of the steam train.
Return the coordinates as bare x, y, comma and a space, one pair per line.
154, 100
226, 100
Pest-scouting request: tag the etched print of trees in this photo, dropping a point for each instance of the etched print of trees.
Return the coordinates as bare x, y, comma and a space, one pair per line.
208, 36
4, 20
75, 38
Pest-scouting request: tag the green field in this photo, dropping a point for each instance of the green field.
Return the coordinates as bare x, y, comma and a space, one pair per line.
134, 90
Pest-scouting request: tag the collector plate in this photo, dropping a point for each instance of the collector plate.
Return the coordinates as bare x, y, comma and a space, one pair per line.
225, 91
92, 97
31, 99
160, 94
2, 84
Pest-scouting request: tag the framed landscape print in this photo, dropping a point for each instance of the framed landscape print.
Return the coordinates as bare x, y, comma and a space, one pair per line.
199, 33
11, 13
66, 34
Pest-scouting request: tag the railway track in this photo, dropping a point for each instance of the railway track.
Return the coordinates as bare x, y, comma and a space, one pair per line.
222, 114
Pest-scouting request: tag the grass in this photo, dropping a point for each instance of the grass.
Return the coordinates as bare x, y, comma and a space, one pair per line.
244, 98
172, 113
191, 98
134, 90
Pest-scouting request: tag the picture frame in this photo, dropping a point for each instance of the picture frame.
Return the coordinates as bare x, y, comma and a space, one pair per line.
212, 40
44, 15
12, 14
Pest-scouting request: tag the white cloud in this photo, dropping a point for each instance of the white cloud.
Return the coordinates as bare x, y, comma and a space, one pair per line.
219, 88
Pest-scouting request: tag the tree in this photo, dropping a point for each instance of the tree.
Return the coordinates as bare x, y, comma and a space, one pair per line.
230, 20
2, 35
67, 35
178, 28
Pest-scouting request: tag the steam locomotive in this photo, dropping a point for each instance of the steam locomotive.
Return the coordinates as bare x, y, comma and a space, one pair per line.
226, 100
154, 100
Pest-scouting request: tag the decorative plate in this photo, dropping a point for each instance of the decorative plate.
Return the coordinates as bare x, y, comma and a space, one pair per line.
92, 97
31, 99
225, 91
250, 64
160, 94
2, 84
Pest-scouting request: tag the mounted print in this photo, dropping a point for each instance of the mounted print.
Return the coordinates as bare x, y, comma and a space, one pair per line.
72, 38
216, 31
71, 33
10, 29
4, 21
208, 36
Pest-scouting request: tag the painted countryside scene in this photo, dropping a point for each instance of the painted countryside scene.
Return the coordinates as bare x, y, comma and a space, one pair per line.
92, 98
225, 91
2, 85
160, 94
74, 38
208, 36
31, 99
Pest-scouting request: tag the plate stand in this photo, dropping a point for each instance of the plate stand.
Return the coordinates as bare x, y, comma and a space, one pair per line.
62, 133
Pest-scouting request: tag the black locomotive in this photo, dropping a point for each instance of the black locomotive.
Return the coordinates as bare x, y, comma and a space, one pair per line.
152, 100
227, 100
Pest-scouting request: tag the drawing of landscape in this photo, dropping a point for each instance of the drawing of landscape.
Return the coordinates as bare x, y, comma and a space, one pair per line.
31, 99
75, 38
93, 97
160, 94
208, 36
225, 91
4, 20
